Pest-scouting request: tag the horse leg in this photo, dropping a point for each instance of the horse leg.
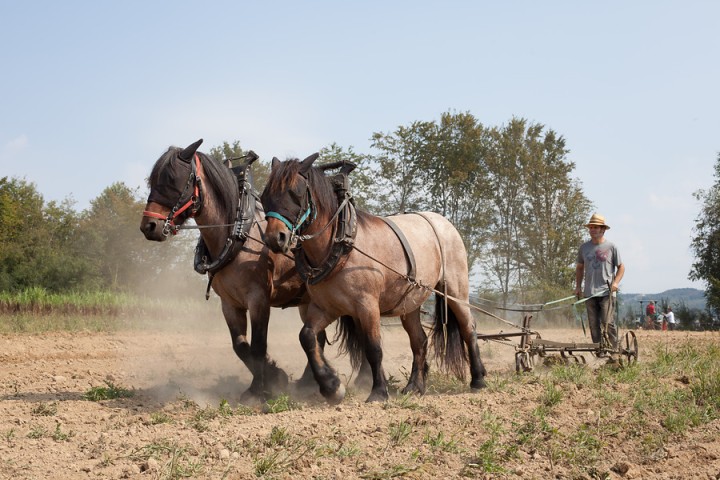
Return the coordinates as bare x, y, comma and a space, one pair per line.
330, 386
268, 377
418, 344
374, 354
467, 331
307, 380
236, 320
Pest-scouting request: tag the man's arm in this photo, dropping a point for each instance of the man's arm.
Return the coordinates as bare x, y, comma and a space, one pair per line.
579, 273
618, 276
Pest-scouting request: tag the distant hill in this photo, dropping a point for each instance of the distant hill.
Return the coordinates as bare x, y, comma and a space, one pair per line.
692, 297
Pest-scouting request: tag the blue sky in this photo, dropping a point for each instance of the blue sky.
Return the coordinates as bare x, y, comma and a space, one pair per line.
93, 92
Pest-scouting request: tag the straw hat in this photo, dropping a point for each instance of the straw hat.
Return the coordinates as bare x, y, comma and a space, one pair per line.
598, 219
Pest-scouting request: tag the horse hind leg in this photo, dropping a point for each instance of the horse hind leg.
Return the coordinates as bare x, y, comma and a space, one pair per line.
418, 343
374, 355
467, 331
458, 335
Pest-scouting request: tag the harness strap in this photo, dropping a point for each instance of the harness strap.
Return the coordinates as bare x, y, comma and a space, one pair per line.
406, 246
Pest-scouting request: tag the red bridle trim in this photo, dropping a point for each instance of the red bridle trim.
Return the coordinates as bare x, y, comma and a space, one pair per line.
171, 216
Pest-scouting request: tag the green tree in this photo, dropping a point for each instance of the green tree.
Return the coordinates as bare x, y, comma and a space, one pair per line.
396, 168
555, 210
361, 179
506, 160
536, 212
260, 170
706, 242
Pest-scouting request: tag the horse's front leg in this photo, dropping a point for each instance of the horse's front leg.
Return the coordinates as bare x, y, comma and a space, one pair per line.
418, 344
327, 379
268, 379
236, 319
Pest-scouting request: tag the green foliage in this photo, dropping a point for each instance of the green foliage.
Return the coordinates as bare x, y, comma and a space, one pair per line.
109, 392
508, 190
706, 242
281, 403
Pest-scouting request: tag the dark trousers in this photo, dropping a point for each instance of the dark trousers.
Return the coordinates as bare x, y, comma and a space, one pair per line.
599, 311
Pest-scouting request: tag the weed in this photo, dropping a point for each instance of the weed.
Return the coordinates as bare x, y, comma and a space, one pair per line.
109, 392
282, 403
439, 442
45, 409
157, 418
399, 432
278, 436
406, 400
37, 431
60, 436
552, 395
488, 458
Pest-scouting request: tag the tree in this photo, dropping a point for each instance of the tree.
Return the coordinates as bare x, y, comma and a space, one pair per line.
536, 212
259, 171
556, 207
361, 179
396, 188
706, 242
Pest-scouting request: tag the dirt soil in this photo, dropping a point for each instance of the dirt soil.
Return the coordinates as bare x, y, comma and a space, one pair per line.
172, 426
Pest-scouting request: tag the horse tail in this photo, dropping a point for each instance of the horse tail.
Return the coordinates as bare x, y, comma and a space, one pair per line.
352, 341
450, 349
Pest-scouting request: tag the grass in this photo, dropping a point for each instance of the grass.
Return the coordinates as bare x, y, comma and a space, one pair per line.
109, 392
35, 310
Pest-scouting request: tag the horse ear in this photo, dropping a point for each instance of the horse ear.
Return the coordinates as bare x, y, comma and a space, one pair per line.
187, 154
275, 163
307, 163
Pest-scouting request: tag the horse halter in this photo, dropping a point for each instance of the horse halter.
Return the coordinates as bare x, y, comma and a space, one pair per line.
303, 216
194, 203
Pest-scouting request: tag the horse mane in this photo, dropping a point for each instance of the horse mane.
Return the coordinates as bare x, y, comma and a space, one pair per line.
284, 178
218, 177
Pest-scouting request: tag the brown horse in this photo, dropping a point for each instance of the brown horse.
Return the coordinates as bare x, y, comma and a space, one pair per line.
386, 269
245, 275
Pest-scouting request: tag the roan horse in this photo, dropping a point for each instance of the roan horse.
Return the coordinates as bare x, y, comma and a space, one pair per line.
246, 276
382, 267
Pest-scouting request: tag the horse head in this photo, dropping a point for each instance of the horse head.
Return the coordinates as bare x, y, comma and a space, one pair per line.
295, 195
175, 192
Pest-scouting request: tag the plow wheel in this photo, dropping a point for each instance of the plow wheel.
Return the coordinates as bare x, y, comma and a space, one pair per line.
523, 362
630, 348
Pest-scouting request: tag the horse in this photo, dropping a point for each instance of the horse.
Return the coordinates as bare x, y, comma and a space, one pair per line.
383, 267
247, 277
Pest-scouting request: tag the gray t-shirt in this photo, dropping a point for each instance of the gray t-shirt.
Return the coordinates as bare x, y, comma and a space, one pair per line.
600, 262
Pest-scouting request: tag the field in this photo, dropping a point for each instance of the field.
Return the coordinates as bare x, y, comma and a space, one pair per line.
163, 402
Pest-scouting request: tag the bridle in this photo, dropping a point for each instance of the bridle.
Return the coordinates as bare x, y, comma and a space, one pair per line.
194, 202
306, 215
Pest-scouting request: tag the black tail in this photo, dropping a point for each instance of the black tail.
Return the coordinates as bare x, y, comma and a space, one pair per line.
450, 350
352, 341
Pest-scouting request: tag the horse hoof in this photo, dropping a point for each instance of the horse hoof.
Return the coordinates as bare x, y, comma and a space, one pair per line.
377, 397
337, 396
478, 384
251, 398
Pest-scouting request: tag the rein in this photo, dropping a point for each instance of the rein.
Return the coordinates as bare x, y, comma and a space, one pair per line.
194, 202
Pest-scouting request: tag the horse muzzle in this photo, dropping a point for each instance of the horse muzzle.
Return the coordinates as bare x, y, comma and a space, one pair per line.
153, 229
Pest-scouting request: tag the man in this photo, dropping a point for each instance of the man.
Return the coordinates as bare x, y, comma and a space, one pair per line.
599, 264
670, 317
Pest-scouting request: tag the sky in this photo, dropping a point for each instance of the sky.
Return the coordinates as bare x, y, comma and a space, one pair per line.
92, 93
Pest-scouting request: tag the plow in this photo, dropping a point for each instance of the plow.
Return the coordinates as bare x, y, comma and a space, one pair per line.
532, 348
